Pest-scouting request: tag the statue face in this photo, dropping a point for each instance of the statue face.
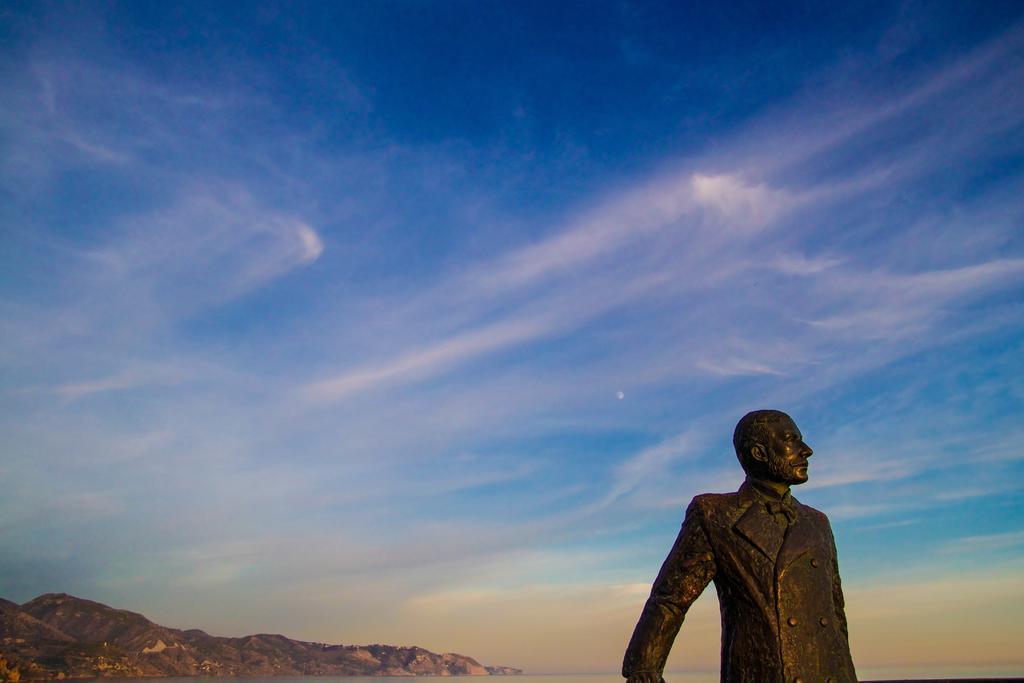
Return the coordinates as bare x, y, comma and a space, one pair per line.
787, 454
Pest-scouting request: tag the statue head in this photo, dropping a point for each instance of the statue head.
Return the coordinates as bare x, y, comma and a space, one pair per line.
769, 446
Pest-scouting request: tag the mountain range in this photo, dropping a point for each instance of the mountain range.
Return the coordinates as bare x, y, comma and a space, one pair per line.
57, 636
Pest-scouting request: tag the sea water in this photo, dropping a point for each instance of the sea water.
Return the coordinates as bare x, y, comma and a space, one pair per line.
688, 677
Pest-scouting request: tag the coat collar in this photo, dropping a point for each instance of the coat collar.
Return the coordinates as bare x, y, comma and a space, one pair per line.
760, 529
755, 524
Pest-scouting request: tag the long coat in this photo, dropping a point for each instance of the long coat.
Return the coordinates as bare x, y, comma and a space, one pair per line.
778, 590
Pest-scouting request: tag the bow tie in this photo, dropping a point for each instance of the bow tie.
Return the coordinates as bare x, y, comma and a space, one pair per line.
782, 507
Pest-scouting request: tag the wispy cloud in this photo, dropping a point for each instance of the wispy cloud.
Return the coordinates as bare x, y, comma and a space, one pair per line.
426, 361
579, 283
220, 242
650, 464
729, 367
270, 335
96, 386
130, 377
985, 543
893, 305
854, 511
742, 205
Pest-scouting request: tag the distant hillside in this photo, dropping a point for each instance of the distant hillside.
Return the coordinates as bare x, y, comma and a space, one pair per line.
58, 636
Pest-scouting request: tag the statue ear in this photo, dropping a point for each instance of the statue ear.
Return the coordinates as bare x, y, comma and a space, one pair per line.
758, 453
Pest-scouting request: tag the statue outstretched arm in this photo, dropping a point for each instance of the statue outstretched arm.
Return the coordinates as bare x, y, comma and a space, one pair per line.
687, 570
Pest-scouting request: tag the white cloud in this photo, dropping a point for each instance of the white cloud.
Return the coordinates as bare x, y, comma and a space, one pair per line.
75, 390
564, 281
426, 361
212, 245
985, 543
885, 305
131, 377
735, 366
601, 231
649, 465
691, 291
801, 264
743, 205
678, 201
846, 511
847, 464
92, 150
312, 245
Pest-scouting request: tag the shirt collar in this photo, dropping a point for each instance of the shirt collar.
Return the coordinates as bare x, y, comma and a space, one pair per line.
767, 490
754, 489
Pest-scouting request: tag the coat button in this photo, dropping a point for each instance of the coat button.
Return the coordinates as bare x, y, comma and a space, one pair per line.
792, 621
814, 562
798, 680
830, 680
823, 621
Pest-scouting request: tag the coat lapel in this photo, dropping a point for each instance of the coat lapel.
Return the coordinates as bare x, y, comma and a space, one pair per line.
801, 537
757, 527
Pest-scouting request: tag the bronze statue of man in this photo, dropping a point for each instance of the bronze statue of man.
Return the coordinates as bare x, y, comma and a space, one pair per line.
773, 561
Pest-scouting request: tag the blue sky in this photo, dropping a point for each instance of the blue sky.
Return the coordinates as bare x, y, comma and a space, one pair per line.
422, 322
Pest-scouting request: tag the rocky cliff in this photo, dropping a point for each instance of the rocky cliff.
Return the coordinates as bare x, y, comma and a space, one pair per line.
58, 636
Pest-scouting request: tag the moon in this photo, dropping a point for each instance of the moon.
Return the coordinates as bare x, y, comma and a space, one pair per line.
620, 395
